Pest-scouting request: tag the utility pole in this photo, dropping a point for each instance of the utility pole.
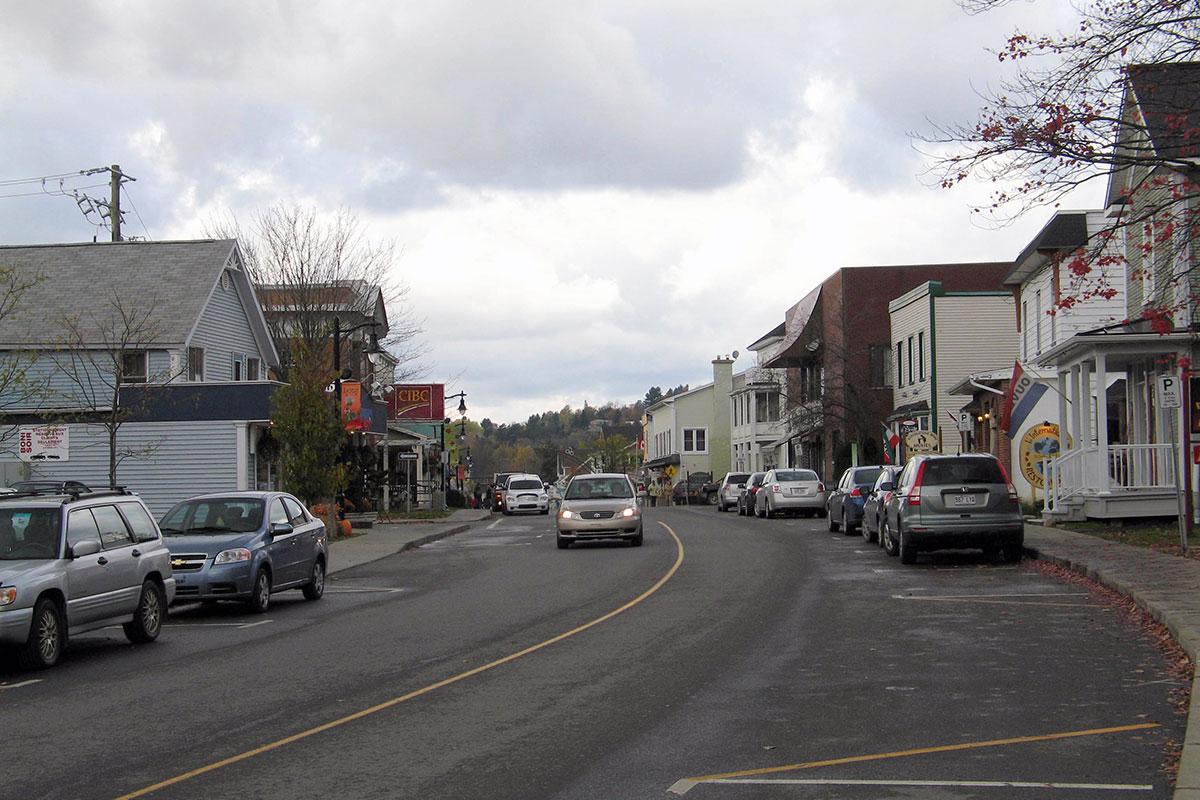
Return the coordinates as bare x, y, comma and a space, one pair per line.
114, 202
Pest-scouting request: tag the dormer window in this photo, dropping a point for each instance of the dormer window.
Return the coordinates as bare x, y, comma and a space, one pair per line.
133, 366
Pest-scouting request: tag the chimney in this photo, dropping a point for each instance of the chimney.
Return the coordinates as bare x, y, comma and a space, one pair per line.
720, 444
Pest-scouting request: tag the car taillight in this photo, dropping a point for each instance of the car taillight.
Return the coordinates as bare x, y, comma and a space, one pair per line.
776, 488
914, 491
856, 492
1012, 490
820, 487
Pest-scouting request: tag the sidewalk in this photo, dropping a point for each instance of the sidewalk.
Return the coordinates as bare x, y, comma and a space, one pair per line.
389, 538
1167, 587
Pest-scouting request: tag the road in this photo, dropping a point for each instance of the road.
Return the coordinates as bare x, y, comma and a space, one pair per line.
727, 658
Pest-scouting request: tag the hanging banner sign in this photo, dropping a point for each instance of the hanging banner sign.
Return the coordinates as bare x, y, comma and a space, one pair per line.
43, 443
417, 401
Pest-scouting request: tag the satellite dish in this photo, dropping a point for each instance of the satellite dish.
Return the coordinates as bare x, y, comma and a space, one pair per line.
735, 354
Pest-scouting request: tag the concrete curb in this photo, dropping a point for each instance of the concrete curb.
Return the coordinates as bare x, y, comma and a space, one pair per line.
409, 545
1187, 781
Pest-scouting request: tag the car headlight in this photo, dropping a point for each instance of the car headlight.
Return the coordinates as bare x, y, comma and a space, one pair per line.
541, 497
567, 514
510, 499
8, 595
232, 556
629, 512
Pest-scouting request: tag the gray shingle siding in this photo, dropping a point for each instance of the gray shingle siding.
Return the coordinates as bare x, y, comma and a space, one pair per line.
222, 331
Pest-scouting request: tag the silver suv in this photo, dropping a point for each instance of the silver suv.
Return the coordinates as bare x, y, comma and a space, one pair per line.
71, 563
944, 502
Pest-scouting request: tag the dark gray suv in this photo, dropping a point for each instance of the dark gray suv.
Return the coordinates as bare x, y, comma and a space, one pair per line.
951, 502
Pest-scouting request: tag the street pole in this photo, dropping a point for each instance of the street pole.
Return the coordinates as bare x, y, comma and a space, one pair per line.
114, 202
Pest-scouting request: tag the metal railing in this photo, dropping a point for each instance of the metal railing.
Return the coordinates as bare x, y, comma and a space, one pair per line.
1130, 467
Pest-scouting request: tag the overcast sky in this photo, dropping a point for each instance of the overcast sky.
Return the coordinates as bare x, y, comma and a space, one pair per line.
588, 198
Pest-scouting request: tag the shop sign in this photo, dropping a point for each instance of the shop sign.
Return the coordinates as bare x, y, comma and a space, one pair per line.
922, 443
1039, 444
43, 443
417, 401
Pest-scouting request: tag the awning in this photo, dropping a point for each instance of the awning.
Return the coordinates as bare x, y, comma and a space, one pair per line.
665, 461
793, 350
917, 409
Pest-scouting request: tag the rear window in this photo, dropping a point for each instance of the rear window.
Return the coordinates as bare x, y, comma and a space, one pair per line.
945, 471
866, 477
525, 484
796, 475
738, 478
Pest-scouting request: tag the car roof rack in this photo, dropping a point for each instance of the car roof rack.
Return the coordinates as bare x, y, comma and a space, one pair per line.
69, 494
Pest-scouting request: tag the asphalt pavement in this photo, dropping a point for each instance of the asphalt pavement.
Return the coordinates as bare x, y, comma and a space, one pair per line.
388, 538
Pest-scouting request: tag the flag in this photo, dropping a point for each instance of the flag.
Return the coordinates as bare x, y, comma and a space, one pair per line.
890, 442
1020, 399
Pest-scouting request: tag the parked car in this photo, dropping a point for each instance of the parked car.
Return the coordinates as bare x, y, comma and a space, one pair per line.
793, 491
697, 489
71, 563
599, 506
245, 546
731, 487
948, 502
745, 504
876, 502
845, 503
526, 493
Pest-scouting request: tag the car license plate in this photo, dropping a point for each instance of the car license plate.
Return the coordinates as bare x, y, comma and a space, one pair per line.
966, 499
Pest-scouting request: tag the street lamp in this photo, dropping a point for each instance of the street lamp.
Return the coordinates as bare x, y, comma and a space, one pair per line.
338, 332
462, 430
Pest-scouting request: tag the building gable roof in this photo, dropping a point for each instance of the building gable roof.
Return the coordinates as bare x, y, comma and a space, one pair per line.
1066, 230
173, 281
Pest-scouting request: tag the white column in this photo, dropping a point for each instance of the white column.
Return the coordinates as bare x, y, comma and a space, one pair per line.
1075, 408
1102, 421
242, 446
1063, 427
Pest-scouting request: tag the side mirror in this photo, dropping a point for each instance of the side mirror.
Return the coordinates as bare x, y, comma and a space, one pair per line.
87, 547
886, 486
281, 527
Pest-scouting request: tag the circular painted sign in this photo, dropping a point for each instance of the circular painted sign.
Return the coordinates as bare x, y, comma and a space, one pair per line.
1039, 444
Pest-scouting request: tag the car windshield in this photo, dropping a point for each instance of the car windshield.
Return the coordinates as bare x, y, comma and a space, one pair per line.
599, 489
214, 515
866, 477
795, 475
29, 533
738, 478
524, 484
942, 471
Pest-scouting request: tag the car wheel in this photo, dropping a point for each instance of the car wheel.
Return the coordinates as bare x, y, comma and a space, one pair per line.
908, 552
260, 595
636, 541
889, 544
720, 506
1013, 553
563, 544
148, 618
865, 529
316, 582
47, 637
768, 512
833, 526
741, 509
846, 529
879, 529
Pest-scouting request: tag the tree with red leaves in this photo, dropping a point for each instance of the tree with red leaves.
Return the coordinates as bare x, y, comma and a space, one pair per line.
1117, 100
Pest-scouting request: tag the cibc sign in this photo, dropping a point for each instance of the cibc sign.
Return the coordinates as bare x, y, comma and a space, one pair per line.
417, 401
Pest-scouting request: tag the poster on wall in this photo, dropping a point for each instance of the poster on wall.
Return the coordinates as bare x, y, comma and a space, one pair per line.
1039, 444
43, 443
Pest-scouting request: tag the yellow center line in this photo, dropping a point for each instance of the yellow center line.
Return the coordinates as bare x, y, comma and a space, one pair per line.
395, 701
945, 748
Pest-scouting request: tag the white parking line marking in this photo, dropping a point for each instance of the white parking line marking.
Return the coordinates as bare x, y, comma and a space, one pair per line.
1110, 787
362, 589
4, 686
494, 524
255, 624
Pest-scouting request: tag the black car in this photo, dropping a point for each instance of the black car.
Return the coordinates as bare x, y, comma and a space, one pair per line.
745, 503
877, 497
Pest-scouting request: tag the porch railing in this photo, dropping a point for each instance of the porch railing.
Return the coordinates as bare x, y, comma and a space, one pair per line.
1129, 467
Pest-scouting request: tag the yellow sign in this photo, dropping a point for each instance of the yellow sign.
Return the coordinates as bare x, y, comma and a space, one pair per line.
670, 471
922, 443
1039, 444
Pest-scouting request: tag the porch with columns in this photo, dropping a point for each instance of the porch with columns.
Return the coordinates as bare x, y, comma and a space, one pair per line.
1119, 457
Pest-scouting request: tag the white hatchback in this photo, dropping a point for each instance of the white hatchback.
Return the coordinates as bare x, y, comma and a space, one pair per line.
526, 493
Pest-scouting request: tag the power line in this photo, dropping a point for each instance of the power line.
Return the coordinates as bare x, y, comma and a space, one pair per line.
60, 175
137, 213
53, 194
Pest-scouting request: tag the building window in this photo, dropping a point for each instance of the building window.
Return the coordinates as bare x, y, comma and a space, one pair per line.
880, 370
766, 406
253, 369
195, 363
899, 364
695, 440
1037, 322
1024, 329
910, 361
921, 356
237, 371
133, 366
